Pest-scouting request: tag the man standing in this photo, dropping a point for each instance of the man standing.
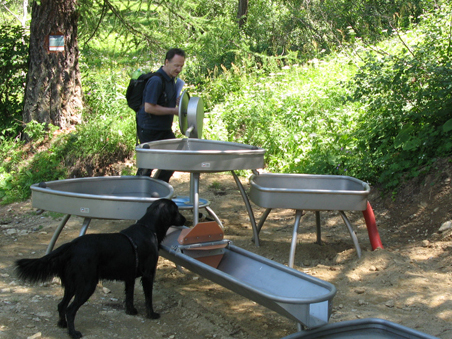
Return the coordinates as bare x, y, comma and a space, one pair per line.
160, 101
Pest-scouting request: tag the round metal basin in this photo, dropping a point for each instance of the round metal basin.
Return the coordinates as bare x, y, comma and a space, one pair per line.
124, 197
199, 155
309, 192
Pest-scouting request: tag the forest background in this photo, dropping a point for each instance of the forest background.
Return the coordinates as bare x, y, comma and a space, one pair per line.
359, 88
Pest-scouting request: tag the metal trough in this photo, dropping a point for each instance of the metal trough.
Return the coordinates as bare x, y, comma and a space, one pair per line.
309, 192
199, 155
293, 294
371, 328
98, 198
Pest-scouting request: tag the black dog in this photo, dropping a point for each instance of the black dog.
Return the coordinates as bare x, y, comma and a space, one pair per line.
123, 256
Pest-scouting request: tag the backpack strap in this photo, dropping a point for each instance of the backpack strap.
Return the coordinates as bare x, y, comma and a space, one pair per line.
146, 77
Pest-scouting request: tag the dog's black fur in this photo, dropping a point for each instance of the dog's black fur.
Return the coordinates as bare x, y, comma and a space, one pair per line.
123, 256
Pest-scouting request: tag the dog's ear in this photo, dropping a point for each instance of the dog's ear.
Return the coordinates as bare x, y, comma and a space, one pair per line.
168, 213
160, 216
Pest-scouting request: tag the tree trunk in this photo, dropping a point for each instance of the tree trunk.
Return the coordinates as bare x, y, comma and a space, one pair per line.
53, 93
242, 12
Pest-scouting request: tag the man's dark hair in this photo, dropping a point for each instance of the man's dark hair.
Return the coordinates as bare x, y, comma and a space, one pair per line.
174, 51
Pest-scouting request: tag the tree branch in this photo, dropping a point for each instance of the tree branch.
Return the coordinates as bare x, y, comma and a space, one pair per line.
10, 12
129, 27
104, 11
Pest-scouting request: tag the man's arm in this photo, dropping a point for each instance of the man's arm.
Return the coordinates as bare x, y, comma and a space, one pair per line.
160, 110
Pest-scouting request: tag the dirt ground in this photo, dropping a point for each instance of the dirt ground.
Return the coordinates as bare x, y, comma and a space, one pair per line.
409, 282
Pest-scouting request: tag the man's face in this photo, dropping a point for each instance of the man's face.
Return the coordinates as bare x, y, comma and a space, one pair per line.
174, 66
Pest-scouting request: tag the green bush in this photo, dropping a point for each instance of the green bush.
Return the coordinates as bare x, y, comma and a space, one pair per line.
108, 121
19, 170
13, 70
297, 114
385, 120
378, 114
408, 100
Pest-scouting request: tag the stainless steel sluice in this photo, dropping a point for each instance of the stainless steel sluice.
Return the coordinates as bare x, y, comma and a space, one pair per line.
291, 293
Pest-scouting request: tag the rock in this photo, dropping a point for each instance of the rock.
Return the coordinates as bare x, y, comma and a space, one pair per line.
360, 290
390, 303
423, 204
445, 226
36, 299
35, 336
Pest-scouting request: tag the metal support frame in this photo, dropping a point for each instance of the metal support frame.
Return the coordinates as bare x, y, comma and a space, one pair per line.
194, 195
298, 215
248, 208
352, 233
60, 227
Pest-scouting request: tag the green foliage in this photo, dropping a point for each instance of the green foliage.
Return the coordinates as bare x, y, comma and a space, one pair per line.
408, 99
210, 34
38, 132
379, 115
13, 68
108, 121
297, 114
389, 121
367, 19
108, 132
17, 172
96, 144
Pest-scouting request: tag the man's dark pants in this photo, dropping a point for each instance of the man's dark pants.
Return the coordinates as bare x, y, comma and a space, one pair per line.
147, 135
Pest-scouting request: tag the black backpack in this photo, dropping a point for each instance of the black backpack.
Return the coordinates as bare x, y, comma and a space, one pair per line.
134, 94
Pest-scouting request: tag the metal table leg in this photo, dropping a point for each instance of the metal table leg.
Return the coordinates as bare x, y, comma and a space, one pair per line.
352, 233
85, 225
319, 232
293, 245
262, 220
57, 232
248, 207
194, 195
214, 216
60, 227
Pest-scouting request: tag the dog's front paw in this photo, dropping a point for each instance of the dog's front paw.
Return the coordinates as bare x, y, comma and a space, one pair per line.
75, 334
153, 315
62, 323
131, 311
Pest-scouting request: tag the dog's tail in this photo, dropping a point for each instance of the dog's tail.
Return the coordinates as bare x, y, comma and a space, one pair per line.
45, 268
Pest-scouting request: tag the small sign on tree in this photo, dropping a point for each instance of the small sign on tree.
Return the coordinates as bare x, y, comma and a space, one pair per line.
55, 42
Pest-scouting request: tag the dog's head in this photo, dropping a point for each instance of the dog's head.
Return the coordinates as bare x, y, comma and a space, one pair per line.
161, 215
